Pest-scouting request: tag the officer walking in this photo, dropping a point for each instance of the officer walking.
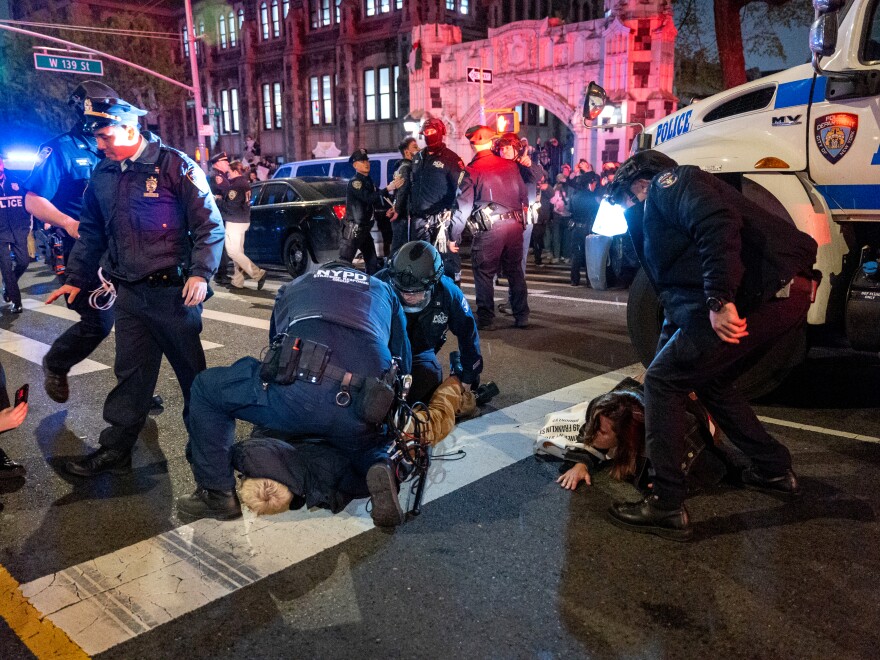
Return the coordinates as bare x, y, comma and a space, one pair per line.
361, 201
235, 208
334, 332
733, 279
440, 189
218, 179
500, 201
433, 306
150, 221
54, 195
15, 225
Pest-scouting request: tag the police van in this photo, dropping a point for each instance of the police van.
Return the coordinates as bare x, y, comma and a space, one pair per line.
805, 144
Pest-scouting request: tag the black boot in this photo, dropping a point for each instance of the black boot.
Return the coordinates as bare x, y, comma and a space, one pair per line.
784, 484
105, 459
383, 486
206, 503
646, 517
9, 469
55, 384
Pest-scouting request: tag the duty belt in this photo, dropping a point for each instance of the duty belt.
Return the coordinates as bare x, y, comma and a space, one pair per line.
510, 215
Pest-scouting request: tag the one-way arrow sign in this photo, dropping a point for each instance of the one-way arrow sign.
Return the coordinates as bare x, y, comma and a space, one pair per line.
473, 75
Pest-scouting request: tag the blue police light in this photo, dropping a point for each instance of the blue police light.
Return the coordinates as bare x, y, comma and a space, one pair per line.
20, 159
610, 220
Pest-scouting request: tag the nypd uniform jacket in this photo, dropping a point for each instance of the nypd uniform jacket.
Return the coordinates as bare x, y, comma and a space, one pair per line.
703, 239
158, 214
448, 310
497, 180
437, 178
236, 205
63, 171
15, 222
361, 200
219, 183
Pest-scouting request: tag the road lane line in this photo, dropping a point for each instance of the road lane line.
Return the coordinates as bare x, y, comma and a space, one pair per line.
62, 312
819, 429
162, 578
42, 637
33, 351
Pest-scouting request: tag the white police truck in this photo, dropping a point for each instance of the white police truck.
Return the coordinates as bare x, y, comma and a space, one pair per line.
804, 143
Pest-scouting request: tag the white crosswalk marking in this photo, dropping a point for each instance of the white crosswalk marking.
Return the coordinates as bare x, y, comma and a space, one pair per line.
114, 598
33, 351
237, 319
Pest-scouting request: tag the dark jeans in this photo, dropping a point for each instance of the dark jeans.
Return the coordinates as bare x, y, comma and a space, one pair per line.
150, 322
500, 249
681, 366
578, 256
222, 395
77, 342
427, 375
399, 234
12, 269
362, 240
538, 242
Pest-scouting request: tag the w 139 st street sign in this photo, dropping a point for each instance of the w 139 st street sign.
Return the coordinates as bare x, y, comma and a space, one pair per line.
45, 62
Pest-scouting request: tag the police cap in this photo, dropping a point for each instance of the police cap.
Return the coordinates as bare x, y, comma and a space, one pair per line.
89, 89
216, 158
478, 135
643, 165
101, 111
358, 154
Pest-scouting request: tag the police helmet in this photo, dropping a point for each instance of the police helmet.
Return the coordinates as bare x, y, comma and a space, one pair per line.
87, 89
415, 269
642, 165
433, 130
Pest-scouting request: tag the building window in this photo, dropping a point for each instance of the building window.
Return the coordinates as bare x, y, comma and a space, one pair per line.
222, 30
321, 97
185, 41
327, 97
370, 95
463, 6
321, 13
458, 5
385, 93
240, 19
375, 7
395, 77
277, 98
233, 96
285, 7
641, 71
338, 12
276, 20
315, 99
232, 30
264, 21
542, 115
225, 123
199, 34
267, 106
450, 5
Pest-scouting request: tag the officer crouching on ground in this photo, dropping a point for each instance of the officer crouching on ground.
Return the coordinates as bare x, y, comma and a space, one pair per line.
361, 201
334, 333
714, 257
433, 305
150, 221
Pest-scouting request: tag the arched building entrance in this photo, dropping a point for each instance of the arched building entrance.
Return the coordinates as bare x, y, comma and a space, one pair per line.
548, 64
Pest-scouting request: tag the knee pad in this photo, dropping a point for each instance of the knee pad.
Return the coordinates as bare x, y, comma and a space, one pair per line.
265, 497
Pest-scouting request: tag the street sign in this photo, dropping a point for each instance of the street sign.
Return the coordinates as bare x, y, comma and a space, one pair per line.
206, 130
44, 62
474, 74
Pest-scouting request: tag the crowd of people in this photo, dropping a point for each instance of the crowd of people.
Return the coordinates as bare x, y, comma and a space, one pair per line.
145, 231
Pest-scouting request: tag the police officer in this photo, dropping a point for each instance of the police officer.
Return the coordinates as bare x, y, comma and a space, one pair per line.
440, 186
218, 179
733, 279
55, 192
150, 221
361, 201
334, 329
400, 212
15, 225
500, 201
433, 306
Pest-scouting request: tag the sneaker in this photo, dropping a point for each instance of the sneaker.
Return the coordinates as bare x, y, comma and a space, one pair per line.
9, 469
104, 459
261, 280
646, 517
17, 309
55, 384
504, 308
383, 487
207, 503
783, 484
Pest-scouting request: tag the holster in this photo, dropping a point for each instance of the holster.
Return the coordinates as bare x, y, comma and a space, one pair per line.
351, 231
291, 358
377, 397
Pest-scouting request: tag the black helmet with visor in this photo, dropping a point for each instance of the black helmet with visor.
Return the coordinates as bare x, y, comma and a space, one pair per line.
415, 269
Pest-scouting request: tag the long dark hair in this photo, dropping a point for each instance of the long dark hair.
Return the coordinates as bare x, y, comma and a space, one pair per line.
626, 411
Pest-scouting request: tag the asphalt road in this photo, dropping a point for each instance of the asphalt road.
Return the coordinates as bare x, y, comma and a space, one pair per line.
502, 563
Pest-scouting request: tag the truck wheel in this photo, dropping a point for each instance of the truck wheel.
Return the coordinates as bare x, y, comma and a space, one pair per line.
296, 254
644, 316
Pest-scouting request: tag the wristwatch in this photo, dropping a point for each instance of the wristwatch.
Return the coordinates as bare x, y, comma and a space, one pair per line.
715, 304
